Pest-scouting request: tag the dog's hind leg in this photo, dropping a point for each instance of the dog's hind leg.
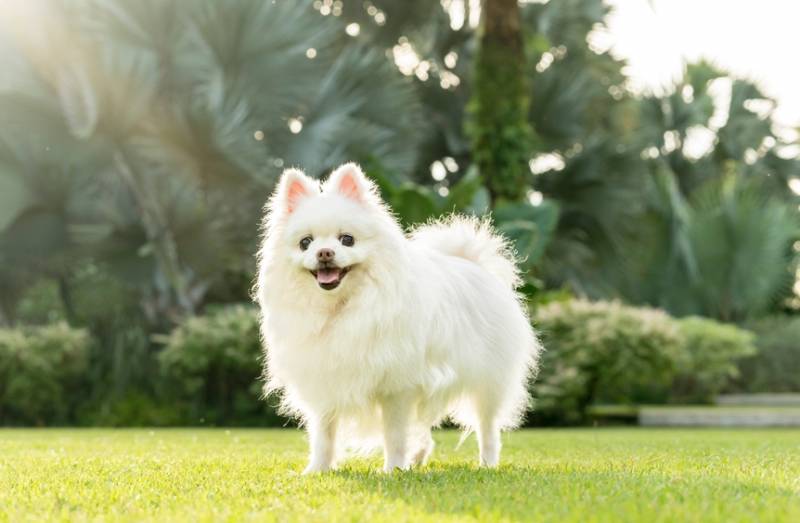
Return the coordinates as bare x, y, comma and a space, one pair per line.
489, 443
424, 447
488, 435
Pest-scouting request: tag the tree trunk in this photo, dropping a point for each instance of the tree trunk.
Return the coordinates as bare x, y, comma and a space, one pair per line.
501, 24
5, 318
502, 139
65, 293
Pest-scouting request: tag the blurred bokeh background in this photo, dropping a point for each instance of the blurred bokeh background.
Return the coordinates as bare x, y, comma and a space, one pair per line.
645, 165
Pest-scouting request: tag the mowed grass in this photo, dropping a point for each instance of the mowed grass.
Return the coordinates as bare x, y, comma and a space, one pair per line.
547, 475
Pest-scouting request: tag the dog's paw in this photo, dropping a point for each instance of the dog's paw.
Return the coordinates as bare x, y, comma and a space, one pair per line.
490, 462
388, 468
421, 456
316, 468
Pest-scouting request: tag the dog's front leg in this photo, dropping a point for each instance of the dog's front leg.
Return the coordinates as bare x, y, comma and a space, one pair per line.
396, 411
322, 438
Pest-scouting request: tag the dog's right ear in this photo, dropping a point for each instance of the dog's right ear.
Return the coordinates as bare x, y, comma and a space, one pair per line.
293, 187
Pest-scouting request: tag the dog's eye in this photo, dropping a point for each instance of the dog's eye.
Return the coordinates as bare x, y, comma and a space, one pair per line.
347, 240
305, 242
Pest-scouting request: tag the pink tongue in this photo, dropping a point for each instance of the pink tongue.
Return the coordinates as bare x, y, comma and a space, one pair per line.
328, 275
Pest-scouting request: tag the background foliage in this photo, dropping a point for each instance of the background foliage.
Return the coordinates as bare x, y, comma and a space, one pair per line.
776, 365
140, 139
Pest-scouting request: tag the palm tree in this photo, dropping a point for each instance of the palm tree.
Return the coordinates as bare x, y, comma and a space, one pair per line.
502, 138
716, 237
195, 118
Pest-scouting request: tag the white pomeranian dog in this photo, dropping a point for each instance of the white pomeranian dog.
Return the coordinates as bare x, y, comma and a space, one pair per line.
372, 335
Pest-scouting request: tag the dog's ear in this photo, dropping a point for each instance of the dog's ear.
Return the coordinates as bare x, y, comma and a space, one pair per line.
349, 180
293, 187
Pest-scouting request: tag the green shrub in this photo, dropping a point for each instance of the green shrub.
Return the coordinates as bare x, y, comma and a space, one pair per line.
776, 366
602, 352
41, 373
211, 366
712, 349
133, 409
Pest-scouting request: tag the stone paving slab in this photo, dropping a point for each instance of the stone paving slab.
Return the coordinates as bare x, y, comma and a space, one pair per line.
787, 399
719, 417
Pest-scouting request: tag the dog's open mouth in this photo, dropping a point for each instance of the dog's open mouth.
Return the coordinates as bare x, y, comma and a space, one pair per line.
330, 277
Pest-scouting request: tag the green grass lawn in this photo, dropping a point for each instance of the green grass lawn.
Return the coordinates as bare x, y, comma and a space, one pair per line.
547, 475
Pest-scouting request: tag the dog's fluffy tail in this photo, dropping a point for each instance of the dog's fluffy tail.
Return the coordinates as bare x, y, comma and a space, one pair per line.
473, 239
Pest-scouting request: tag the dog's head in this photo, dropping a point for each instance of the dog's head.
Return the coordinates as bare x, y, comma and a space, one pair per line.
329, 235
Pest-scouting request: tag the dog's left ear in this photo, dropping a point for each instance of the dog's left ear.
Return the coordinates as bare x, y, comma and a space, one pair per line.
349, 180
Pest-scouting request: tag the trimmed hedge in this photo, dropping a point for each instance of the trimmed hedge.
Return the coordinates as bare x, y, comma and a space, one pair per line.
211, 366
712, 352
609, 353
209, 369
42, 372
601, 352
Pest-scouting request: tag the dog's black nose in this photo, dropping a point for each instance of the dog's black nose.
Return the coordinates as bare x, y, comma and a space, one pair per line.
325, 255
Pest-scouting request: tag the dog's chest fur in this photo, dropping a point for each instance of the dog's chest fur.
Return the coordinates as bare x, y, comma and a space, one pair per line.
344, 355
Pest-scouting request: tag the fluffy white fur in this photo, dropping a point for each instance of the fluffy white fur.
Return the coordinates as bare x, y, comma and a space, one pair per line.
423, 326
